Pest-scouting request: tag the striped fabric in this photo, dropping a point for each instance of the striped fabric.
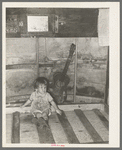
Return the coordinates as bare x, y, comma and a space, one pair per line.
73, 127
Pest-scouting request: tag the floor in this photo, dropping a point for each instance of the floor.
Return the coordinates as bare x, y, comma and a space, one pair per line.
73, 127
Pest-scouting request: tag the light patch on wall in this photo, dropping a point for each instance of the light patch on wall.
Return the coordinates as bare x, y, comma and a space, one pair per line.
37, 23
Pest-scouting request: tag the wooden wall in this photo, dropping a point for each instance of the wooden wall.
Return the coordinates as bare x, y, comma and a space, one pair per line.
91, 68
19, 79
53, 52
62, 22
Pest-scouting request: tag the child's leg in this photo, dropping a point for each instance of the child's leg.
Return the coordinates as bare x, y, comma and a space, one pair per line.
38, 115
43, 122
34, 119
42, 119
49, 112
45, 117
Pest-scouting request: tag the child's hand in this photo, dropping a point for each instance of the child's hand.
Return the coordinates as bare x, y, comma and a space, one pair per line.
59, 111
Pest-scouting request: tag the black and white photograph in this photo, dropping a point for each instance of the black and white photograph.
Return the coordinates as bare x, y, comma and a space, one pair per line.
56, 64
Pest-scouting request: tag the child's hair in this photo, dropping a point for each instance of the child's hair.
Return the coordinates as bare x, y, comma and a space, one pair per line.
41, 80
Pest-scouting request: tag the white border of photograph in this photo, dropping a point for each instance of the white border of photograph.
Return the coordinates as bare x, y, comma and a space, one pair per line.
114, 93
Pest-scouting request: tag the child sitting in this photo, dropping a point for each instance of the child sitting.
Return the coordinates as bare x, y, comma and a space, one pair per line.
40, 101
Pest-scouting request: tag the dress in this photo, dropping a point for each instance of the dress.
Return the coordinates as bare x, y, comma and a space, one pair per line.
40, 106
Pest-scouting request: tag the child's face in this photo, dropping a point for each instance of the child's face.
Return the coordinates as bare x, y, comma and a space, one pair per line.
42, 89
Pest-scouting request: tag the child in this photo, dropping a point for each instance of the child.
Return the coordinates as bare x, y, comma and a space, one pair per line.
40, 101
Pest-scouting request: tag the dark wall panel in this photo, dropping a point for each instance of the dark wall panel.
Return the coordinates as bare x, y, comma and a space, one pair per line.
63, 22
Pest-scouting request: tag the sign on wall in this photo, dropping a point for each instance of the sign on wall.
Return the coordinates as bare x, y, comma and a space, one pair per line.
37, 23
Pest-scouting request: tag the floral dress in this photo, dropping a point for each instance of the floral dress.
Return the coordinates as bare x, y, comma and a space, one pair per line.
40, 104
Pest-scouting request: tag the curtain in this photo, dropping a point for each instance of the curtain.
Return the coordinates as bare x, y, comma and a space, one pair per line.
103, 27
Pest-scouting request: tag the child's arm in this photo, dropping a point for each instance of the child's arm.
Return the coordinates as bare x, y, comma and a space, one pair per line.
26, 103
56, 108
29, 100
